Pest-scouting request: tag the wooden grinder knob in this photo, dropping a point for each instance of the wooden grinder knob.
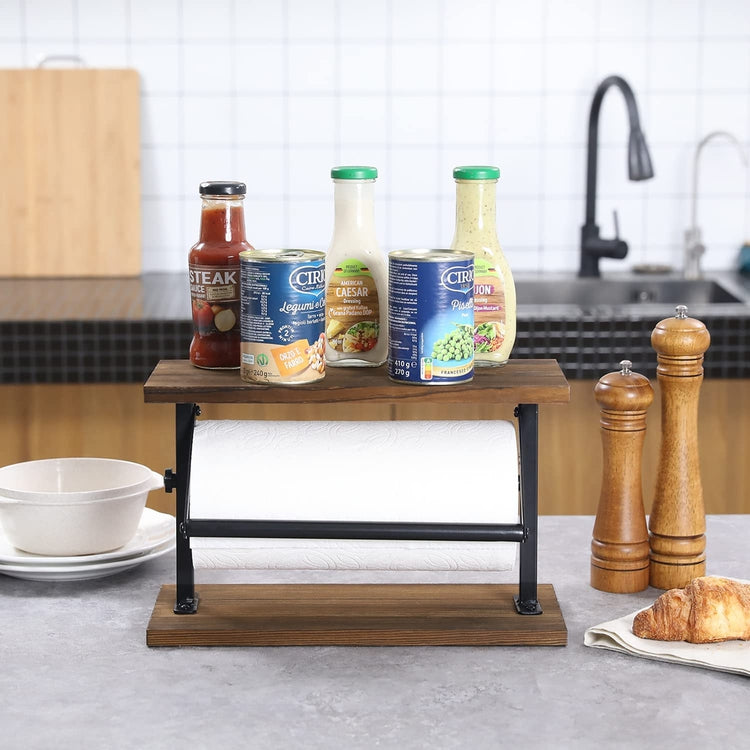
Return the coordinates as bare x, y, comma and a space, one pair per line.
619, 547
677, 523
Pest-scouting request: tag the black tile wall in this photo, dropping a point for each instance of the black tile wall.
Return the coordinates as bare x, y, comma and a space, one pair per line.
125, 351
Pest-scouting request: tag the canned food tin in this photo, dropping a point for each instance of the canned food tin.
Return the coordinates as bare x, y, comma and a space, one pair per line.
431, 316
282, 316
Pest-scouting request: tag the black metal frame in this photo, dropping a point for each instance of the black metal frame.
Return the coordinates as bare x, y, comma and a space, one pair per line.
524, 533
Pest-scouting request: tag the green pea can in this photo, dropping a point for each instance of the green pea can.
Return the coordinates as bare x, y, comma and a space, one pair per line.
431, 316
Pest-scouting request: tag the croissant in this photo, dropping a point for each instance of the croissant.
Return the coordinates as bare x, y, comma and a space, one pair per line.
707, 610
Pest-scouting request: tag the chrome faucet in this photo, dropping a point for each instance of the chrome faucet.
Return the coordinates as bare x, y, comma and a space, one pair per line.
593, 247
694, 247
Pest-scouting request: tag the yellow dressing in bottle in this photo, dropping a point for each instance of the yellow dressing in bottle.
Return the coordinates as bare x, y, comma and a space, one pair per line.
494, 290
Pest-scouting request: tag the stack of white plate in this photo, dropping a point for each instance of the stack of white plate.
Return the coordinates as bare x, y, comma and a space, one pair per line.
155, 537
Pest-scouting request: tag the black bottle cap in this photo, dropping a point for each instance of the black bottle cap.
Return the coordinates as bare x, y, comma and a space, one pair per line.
223, 188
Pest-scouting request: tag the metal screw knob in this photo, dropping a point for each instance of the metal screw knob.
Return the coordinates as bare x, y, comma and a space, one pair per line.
681, 311
626, 366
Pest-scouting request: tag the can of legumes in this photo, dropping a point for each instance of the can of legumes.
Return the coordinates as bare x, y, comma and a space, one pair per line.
282, 308
431, 316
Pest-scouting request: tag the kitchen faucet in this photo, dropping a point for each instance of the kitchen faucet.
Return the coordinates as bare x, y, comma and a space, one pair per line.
593, 246
694, 247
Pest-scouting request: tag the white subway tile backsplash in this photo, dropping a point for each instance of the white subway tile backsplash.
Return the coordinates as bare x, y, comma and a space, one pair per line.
413, 173
363, 19
518, 67
414, 120
312, 120
50, 19
676, 18
417, 19
673, 66
310, 223
724, 112
208, 122
467, 19
12, 55
618, 20
727, 18
160, 67
516, 119
672, 118
102, 20
311, 20
569, 66
150, 20
363, 68
629, 59
209, 69
260, 67
415, 66
206, 21
564, 172
258, 20
310, 172
161, 121
725, 65
363, 119
466, 67
266, 223
160, 167
201, 164
571, 19
275, 93
465, 119
261, 120
262, 170
514, 20
312, 68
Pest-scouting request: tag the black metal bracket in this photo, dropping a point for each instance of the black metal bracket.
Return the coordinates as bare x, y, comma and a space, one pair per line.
524, 533
170, 480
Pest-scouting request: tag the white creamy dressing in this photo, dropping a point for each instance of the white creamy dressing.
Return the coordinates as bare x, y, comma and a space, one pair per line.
354, 242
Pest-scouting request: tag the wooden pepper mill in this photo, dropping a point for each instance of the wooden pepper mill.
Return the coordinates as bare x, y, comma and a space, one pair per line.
619, 547
677, 524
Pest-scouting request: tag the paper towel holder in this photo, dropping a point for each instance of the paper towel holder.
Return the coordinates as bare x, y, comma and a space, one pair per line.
525, 384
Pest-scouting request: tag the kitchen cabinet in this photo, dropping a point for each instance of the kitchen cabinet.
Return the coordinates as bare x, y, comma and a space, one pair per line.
43, 421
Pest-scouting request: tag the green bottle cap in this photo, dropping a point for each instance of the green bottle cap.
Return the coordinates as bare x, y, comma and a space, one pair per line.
476, 173
354, 173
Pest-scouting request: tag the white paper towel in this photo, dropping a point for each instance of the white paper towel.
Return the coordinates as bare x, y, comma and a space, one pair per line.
449, 472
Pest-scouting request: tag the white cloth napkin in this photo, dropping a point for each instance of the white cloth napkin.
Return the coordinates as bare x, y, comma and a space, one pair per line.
617, 635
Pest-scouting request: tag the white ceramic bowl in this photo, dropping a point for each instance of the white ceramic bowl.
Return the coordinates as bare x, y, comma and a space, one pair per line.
73, 506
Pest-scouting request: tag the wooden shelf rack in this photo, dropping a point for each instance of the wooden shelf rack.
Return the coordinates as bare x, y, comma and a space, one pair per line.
377, 614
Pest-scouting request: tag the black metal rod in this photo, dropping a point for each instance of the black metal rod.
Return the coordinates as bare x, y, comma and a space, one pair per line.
186, 601
465, 532
528, 429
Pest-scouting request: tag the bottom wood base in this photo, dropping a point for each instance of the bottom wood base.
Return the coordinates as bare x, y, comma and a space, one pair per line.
356, 615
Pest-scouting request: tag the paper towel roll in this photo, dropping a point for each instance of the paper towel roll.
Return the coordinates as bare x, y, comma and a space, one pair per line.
449, 472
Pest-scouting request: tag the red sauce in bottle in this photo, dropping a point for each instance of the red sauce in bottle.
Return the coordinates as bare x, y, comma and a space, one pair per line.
214, 269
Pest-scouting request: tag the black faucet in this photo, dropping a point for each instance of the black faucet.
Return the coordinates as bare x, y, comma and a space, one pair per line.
593, 246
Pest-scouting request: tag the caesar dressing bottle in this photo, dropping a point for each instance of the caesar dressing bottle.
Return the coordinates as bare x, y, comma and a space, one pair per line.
494, 290
356, 275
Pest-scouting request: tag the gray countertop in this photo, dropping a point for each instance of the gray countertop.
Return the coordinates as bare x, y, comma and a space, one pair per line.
76, 673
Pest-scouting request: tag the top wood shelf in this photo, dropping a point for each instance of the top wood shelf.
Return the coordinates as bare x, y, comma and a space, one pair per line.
520, 381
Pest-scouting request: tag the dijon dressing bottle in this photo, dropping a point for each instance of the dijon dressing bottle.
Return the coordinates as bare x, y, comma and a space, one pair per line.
494, 290
356, 275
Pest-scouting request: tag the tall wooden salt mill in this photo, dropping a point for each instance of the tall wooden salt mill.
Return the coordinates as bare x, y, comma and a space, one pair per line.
677, 523
619, 547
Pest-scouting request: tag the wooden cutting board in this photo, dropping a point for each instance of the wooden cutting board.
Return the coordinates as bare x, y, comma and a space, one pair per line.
70, 188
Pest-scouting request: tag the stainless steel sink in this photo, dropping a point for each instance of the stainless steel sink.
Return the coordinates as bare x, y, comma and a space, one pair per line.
625, 291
